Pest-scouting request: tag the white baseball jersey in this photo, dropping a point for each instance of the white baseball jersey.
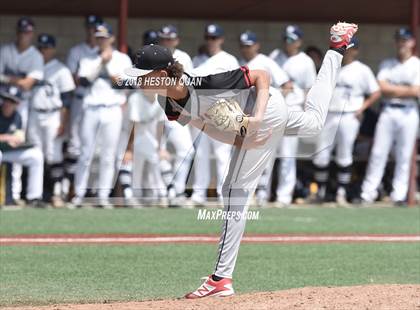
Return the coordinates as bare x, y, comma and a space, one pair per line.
57, 80
262, 62
142, 110
397, 73
29, 63
184, 59
76, 53
355, 80
221, 62
199, 59
101, 92
300, 68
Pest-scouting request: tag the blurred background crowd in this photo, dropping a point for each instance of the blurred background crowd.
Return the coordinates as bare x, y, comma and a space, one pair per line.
69, 136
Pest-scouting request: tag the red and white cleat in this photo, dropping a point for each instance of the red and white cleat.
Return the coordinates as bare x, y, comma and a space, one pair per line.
341, 34
212, 288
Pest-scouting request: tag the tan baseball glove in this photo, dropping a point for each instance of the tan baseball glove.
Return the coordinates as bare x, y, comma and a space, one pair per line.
227, 115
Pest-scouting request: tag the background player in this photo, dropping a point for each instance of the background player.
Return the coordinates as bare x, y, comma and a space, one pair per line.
85, 49
13, 148
132, 116
215, 60
168, 37
102, 118
48, 117
355, 91
254, 152
147, 116
176, 134
249, 48
302, 73
398, 123
251, 57
21, 65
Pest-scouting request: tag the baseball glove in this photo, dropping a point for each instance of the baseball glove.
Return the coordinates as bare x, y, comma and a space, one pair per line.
227, 115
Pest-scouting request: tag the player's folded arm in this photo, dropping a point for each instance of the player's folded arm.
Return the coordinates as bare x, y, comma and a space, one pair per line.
402, 91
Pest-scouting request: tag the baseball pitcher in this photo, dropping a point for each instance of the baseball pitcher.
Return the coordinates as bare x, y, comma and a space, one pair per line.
238, 108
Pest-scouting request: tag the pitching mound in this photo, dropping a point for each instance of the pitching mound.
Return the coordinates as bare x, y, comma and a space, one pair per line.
401, 297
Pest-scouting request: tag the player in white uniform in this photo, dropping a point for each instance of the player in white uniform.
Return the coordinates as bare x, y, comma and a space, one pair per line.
249, 48
168, 37
189, 100
302, 73
85, 49
136, 114
102, 117
355, 91
13, 148
216, 61
179, 136
398, 123
147, 117
48, 116
21, 65
251, 57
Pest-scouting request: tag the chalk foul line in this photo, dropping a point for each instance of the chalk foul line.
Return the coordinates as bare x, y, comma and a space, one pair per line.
168, 239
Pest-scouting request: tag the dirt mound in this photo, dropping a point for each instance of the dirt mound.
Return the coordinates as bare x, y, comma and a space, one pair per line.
401, 297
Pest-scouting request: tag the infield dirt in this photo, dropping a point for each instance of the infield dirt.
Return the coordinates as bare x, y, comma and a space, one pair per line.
396, 297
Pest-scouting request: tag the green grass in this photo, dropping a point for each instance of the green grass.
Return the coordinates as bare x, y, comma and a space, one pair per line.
68, 274
34, 275
169, 221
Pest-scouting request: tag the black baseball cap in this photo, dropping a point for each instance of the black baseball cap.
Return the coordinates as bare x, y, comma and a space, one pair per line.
149, 58
46, 40
404, 34
11, 93
25, 24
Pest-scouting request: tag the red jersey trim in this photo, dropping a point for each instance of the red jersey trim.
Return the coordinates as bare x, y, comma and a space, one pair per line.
172, 118
245, 70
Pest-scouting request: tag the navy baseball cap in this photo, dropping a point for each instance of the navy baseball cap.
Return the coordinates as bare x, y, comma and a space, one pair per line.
213, 30
292, 33
248, 38
93, 20
25, 24
168, 32
150, 37
46, 40
404, 33
149, 58
11, 93
103, 30
354, 42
